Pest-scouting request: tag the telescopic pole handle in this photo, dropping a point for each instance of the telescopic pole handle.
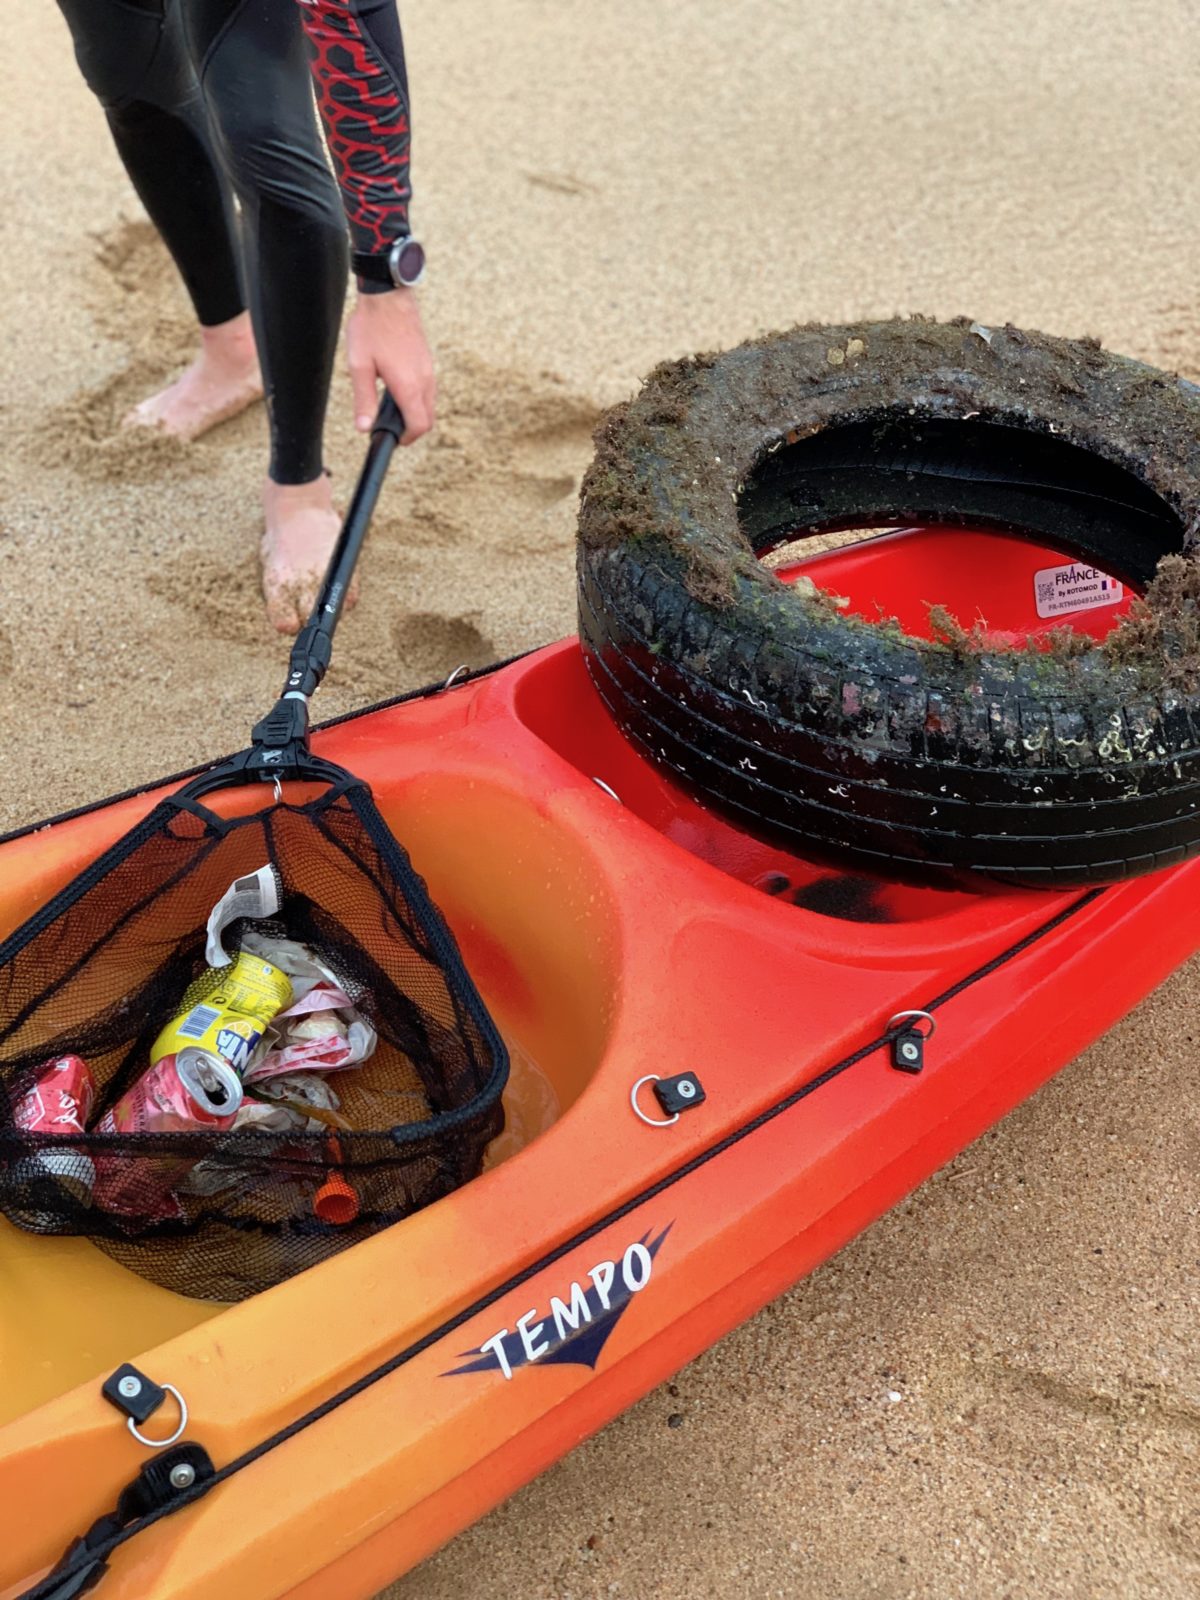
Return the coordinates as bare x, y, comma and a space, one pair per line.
389, 419
386, 432
281, 738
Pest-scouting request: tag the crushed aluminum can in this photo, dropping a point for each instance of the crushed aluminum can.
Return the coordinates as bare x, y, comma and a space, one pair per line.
193, 1091
226, 1011
59, 1102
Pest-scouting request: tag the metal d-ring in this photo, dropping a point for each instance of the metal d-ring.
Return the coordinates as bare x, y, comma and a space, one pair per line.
455, 676
651, 1122
609, 790
161, 1444
919, 1016
278, 788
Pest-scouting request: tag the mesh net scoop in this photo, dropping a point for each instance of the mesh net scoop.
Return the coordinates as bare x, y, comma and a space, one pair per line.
221, 1213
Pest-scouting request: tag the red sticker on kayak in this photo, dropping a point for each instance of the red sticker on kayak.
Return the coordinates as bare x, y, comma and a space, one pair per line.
1074, 587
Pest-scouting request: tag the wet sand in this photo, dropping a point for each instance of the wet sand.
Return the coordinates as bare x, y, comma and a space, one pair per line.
602, 187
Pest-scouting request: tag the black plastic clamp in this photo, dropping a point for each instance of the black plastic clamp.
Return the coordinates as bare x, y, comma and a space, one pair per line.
168, 1477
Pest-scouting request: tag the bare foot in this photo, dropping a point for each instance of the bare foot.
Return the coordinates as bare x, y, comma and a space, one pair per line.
302, 528
223, 380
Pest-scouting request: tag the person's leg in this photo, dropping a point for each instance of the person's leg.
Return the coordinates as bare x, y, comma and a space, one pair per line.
251, 62
132, 56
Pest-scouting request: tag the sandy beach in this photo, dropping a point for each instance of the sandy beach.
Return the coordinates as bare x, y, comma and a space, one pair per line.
995, 1391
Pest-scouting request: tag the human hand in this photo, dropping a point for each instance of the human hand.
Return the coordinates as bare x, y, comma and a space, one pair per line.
385, 343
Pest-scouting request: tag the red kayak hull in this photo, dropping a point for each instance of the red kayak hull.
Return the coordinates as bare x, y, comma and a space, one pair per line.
617, 930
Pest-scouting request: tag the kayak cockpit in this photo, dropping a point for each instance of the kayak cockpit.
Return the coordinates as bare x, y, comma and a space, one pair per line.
534, 917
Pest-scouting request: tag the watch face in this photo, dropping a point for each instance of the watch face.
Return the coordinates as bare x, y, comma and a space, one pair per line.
408, 263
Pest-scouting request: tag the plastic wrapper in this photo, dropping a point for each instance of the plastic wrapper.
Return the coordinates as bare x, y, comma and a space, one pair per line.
317, 1025
321, 1030
302, 964
323, 997
256, 895
301, 1102
289, 1100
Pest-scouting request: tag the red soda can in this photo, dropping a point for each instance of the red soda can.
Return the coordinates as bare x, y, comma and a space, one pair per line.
59, 1102
193, 1091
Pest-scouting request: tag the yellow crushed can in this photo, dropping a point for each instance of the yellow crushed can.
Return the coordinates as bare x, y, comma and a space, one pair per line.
226, 1011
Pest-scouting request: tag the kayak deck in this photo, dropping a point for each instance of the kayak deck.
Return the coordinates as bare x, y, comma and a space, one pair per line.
614, 931
539, 924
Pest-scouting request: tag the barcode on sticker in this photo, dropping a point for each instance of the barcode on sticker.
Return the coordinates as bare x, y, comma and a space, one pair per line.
1076, 586
197, 1022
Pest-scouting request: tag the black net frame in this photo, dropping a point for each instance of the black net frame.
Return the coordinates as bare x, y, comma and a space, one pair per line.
219, 1212
99, 969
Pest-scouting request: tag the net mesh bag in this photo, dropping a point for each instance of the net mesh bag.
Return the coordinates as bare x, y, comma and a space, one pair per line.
223, 1213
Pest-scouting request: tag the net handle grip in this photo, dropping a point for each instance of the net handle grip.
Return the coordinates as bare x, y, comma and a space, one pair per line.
312, 649
280, 739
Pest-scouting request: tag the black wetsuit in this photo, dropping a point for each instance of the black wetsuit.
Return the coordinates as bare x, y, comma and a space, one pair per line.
212, 99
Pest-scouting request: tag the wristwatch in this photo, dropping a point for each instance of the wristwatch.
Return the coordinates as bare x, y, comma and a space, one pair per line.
399, 268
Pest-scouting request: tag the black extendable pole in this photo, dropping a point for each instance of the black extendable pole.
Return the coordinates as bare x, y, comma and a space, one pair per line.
281, 738
312, 649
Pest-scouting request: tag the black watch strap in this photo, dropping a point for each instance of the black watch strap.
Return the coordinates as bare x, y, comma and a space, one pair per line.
374, 269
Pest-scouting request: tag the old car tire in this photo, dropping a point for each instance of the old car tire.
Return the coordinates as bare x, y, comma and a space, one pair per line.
836, 736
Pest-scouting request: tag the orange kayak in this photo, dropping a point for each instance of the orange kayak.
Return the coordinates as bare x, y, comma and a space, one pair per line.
707, 1100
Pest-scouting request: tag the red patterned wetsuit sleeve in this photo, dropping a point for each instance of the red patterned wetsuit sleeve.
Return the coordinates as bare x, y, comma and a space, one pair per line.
362, 96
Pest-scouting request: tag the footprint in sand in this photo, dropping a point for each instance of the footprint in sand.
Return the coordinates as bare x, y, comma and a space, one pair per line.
430, 646
135, 298
561, 183
135, 295
84, 433
220, 598
549, 491
504, 467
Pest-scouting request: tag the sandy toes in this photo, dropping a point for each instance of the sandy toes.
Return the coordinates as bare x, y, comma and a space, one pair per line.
223, 380
302, 528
